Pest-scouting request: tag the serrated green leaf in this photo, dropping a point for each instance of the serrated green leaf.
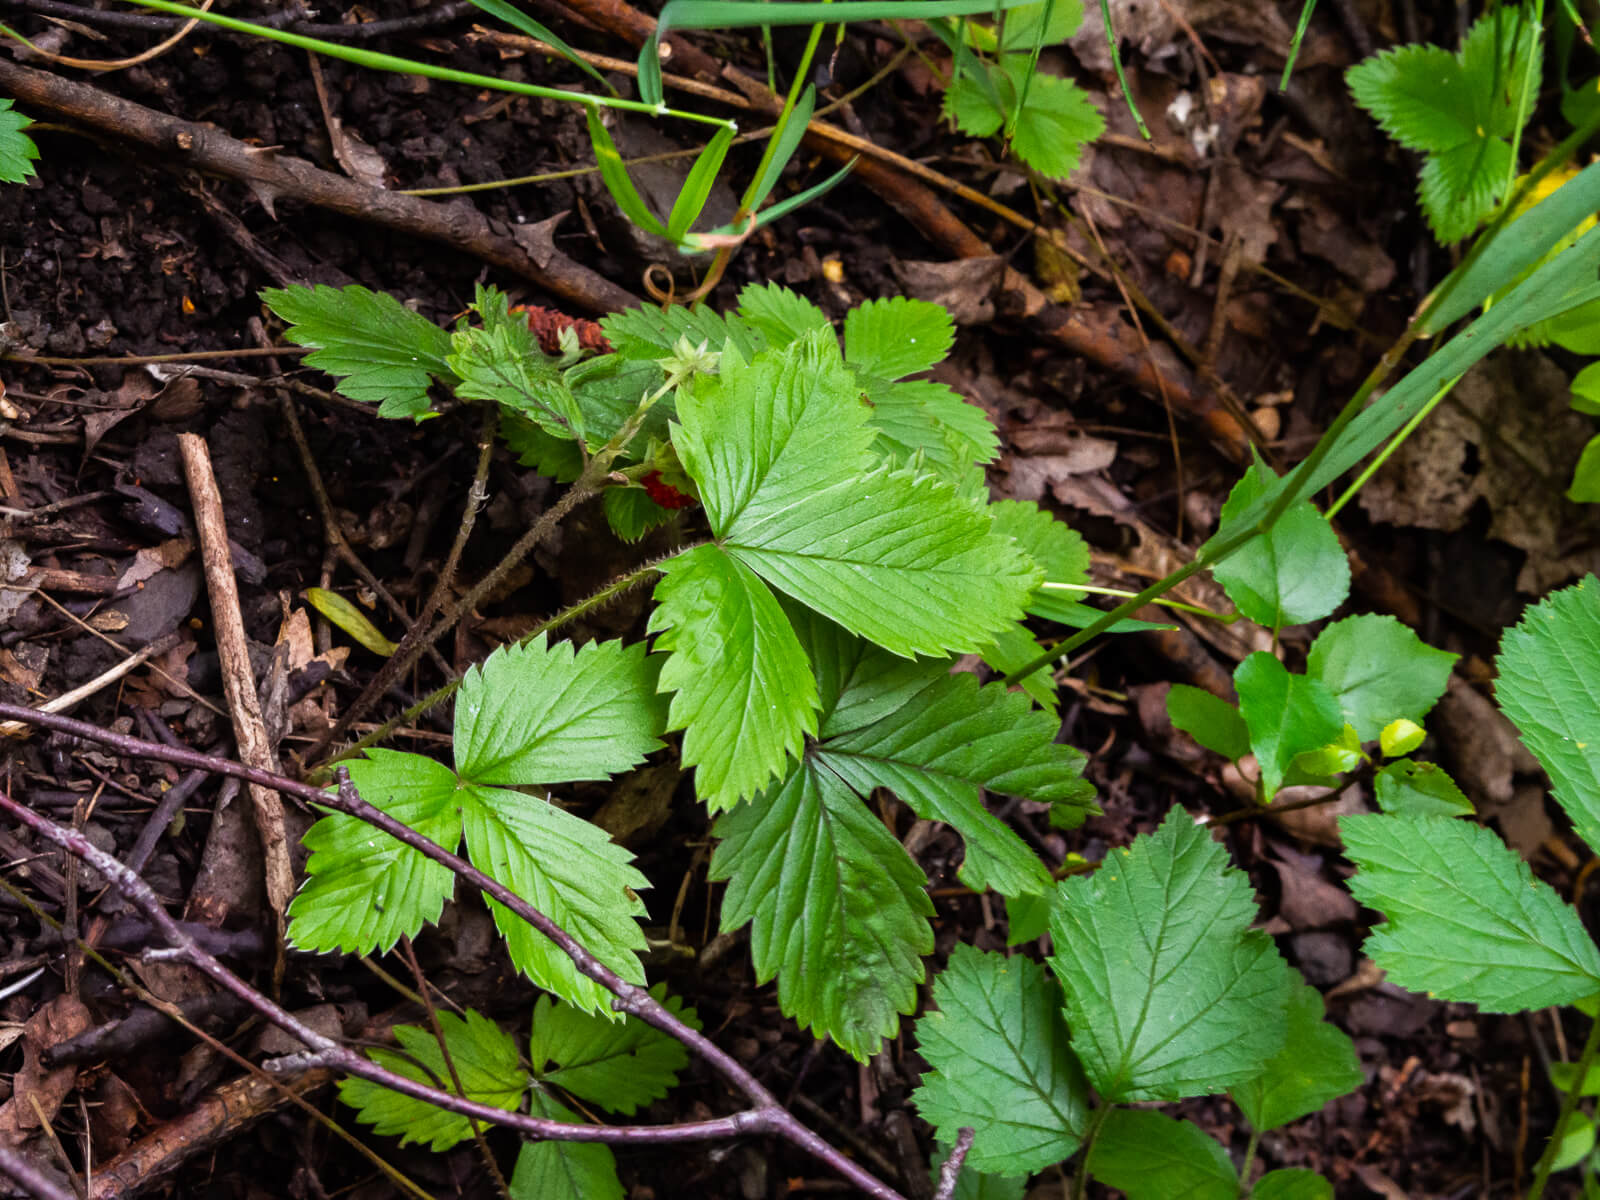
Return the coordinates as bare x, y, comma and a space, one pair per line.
1059, 550
17, 151
1285, 714
631, 513
1458, 109
1419, 789
363, 889
485, 1059
743, 692
1292, 1183
1168, 995
999, 1061
1378, 670
619, 1065
1549, 685
857, 682
564, 1170
893, 338
648, 333
1014, 649
947, 743
1151, 1156
1027, 918
549, 714
1317, 1064
607, 391
779, 450
1209, 720
1467, 921
781, 315
569, 870
1056, 120
979, 1185
967, 103
918, 420
558, 457
837, 909
385, 353
1293, 573
500, 361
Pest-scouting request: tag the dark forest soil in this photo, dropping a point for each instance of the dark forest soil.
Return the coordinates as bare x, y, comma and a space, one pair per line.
110, 253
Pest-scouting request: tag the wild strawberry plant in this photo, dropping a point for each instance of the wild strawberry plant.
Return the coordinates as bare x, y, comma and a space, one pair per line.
17, 151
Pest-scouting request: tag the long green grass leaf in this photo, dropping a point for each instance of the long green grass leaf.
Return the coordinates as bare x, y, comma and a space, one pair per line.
697, 184
786, 142
523, 23
617, 181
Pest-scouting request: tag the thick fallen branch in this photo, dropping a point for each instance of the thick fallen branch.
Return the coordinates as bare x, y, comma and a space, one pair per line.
765, 1116
524, 250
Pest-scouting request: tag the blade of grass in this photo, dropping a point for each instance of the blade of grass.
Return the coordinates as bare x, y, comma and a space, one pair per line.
523, 23
617, 180
691, 199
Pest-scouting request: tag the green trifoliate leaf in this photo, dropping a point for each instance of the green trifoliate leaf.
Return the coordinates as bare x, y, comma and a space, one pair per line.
17, 151
1467, 921
1151, 1156
485, 1059
385, 353
780, 315
1293, 573
1550, 686
363, 889
502, 363
1057, 118
1317, 1064
893, 338
1459, 110
979, 1185
780, 450
564, 1170
999, 1061
1292, 1183
569, 870
946, 743
1209, 720
1378, 670
1419, 790
837, 908
547, 714
619, 1065
1168, 995
744, 693
1285, 714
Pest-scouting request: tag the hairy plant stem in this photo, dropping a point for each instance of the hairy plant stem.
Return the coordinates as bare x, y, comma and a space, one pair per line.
1080, 1177
1249, 1160
765, 1116
1569, 1104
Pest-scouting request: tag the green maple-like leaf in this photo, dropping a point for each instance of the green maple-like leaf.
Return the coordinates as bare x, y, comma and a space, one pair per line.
1151, 1156
1293, 573
1317, 1064
619, 1065
569, 870
1000, 1062
1467, 921
781, 451
485, 1059
1550, 686
17, 151
1379, 671
837, 909
1459, 110
1287, 715
385, 353
742, 690
563, 1170
1168, 995
548, 714
363, 889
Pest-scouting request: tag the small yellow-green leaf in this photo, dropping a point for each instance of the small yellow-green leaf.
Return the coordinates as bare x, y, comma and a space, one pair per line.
1400, 737
1338, 756
350, 619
